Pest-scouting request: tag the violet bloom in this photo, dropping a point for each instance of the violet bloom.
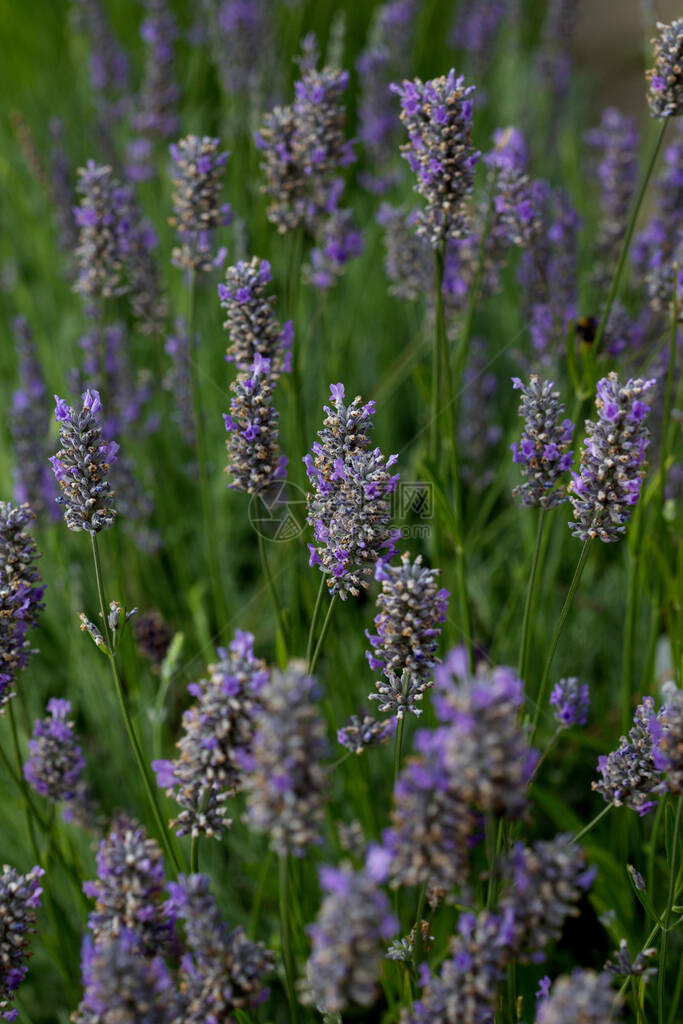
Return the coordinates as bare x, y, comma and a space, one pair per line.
475, 27
438, 118
365, 731
121, 983
408, 260
19, 899
338, 242
613, 463
411, 609
104, 217
665, 79
518, 212
217, 732
20, 595
666, 730
250, 322
82, 465
223, 971
129, 889
571, 701
253, 445
287, 780
159, 98
658, 247
109, 65
630, 774
242, 28
543, 449
197, 172
583, 997
30, 426
56, 764
61, 186
348, 938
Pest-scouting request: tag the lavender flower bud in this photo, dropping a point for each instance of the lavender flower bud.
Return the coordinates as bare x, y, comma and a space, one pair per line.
411, 610
153, 636
20, 595
366, 731
286, 784
121, 983
665, 79
583, 997
104, 219
571, 701
543, 450
30, 425
399, 694
56, 764
197, 171
19, 901
218, 731
223, 971
348, 937
629, 775
284, 181
637, 879
624, 967
249, 318
129, 889
438, 118
82, 464
518, 212
613, 462
254, 460
666, 730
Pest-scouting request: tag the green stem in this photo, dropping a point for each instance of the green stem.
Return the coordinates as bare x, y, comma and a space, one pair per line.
321, 639
275, 601
258, 898
668, 394
628, 235
667, 913
629, 632
125, 713
530, 596
591, 824
417, 941
314, 618
540, 697
194, 855
286, 936
398, 743
28, 814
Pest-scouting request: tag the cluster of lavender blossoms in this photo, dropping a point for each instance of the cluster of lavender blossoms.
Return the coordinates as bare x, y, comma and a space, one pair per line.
438, 117
666, 729
411, 610
197, 172
286, 780
630, 774
55, 767
665, 80
19, 900
349, 504
571, 700
20, 595
658, 248
252, 327
365, 731
613, 462
104, 219
543, 449
584, 997
348, 940
82, 465
217, 731
222, 972
254, 459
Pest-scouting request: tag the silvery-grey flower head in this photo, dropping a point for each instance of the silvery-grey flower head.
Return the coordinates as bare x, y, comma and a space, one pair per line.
666, 730
56, 764
250, 321
19, 900
253, 443
630, 775
584, 997
665, 79
104, 220
20, 594
198, 167
543, 449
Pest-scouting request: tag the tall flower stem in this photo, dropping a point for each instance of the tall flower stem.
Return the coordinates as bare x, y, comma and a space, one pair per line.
125, 713
286, 936
208, 531
398, 743
592, 823
557, 632
275, 600
321, 639
21, 781
668, 911
669, 391
314, 619
530, 597
417, 941
628, 235
629, 630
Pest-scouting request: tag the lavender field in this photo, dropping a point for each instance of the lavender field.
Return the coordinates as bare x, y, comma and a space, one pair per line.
341, 578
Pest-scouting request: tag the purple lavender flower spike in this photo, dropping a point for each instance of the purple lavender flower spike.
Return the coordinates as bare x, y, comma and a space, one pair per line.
56, 764
666, 730
223, 970
217, 733
104, 218
613, 462
338, 242
197, 171
82, 464
30, 426
438, 117
109, 67
665, 79
571, 701
249, 318
474, 31
159, 98
408, 261
62, 189
584, 997
129, 889
348, 939
630, 774
242, 28
254, 460
20, 595
657, 248
543, 449
121, 983
19, 899
518, 202
287, 781
365, 731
